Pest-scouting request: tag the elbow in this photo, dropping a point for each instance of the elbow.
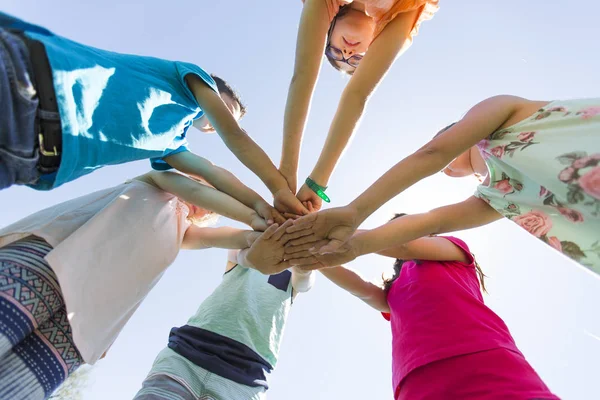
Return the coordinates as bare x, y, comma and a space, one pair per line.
433, 158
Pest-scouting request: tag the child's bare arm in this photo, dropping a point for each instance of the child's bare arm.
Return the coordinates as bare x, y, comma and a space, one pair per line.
238, 141
222, 237
352, 282
223, 181
205, 197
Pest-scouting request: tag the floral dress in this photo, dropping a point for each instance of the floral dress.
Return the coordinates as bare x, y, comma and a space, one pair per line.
544, 174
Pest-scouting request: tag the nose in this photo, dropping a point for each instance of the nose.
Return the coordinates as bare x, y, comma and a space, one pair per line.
348, 52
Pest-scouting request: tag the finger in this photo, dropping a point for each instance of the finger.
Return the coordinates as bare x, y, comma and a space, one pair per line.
288, 215
305, 247
305, 239
331, 247
301, 254
291, 236
269, 232
311, 208
306, 261
278, 218
298, 207
305, 222
281, 230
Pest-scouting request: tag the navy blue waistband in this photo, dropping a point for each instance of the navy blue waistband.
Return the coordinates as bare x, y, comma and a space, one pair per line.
220, 355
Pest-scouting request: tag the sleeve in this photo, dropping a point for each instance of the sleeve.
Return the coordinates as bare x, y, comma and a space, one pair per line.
427, 8
463, 246
333, 6
232, 256
184, 69
159, 164
387, 316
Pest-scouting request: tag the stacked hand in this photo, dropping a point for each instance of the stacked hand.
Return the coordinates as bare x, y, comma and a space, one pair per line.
267, 253
330, 229
266, 215
303, 258
286, 202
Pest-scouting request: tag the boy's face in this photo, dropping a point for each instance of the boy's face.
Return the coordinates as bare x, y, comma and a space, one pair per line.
204, 125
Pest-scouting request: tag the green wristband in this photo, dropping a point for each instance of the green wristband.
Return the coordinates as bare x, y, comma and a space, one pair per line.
318, 189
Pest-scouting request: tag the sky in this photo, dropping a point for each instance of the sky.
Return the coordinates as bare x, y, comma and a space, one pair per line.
335, 346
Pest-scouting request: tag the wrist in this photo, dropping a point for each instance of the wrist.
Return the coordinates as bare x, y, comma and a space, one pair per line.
319, 178
318, 189
241, 257
360, 211
359, 244
277, 183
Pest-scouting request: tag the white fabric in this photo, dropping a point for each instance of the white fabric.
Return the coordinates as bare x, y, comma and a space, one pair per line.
109, 249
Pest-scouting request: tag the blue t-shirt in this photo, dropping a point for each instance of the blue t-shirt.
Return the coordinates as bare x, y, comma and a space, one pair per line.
115, 108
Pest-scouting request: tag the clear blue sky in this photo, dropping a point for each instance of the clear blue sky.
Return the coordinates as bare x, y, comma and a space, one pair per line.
336, 347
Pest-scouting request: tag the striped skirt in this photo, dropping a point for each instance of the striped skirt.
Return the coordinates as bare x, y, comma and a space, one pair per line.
37, 352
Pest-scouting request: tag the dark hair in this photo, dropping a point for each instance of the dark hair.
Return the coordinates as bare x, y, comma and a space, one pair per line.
342, 11
387, 282
224, 87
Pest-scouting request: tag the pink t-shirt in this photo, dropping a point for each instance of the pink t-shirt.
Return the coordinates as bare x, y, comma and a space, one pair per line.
437, 311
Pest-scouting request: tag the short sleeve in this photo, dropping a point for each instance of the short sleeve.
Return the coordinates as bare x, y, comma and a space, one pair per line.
333, 6
427, 8
387, 316
184, 69
159, 164
463, 246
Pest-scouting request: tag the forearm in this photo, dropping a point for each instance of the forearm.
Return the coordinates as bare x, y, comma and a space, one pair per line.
352, 282
255, 159
468, 214
228, 183
294, 121
223, 237
401, 176
395, 233
201, 195
345, 122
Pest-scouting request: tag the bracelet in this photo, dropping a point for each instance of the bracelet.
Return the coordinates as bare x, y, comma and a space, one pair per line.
318, 189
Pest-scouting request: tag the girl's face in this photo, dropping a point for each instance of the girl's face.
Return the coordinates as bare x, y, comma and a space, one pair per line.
352, 35
460, 166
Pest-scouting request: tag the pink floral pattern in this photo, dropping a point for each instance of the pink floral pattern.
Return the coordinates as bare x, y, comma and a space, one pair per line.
551, 191
589, 112
535, 222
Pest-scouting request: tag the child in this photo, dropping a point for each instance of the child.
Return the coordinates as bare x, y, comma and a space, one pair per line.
87, 108
446, 343
72, 275
231, 344
538, 163
362, 38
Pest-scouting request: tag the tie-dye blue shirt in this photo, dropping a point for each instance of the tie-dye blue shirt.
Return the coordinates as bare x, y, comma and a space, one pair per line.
115, 108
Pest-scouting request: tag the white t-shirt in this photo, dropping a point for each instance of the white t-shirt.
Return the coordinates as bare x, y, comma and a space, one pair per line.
109, 249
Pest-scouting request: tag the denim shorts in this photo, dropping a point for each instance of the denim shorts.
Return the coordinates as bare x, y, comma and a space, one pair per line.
18, 108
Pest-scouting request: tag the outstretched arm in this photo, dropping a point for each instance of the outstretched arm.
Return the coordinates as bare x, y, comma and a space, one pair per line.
340, 223
222, 237
229, 189
310, 47
390, 239
481, 121
238, 141
352, 282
